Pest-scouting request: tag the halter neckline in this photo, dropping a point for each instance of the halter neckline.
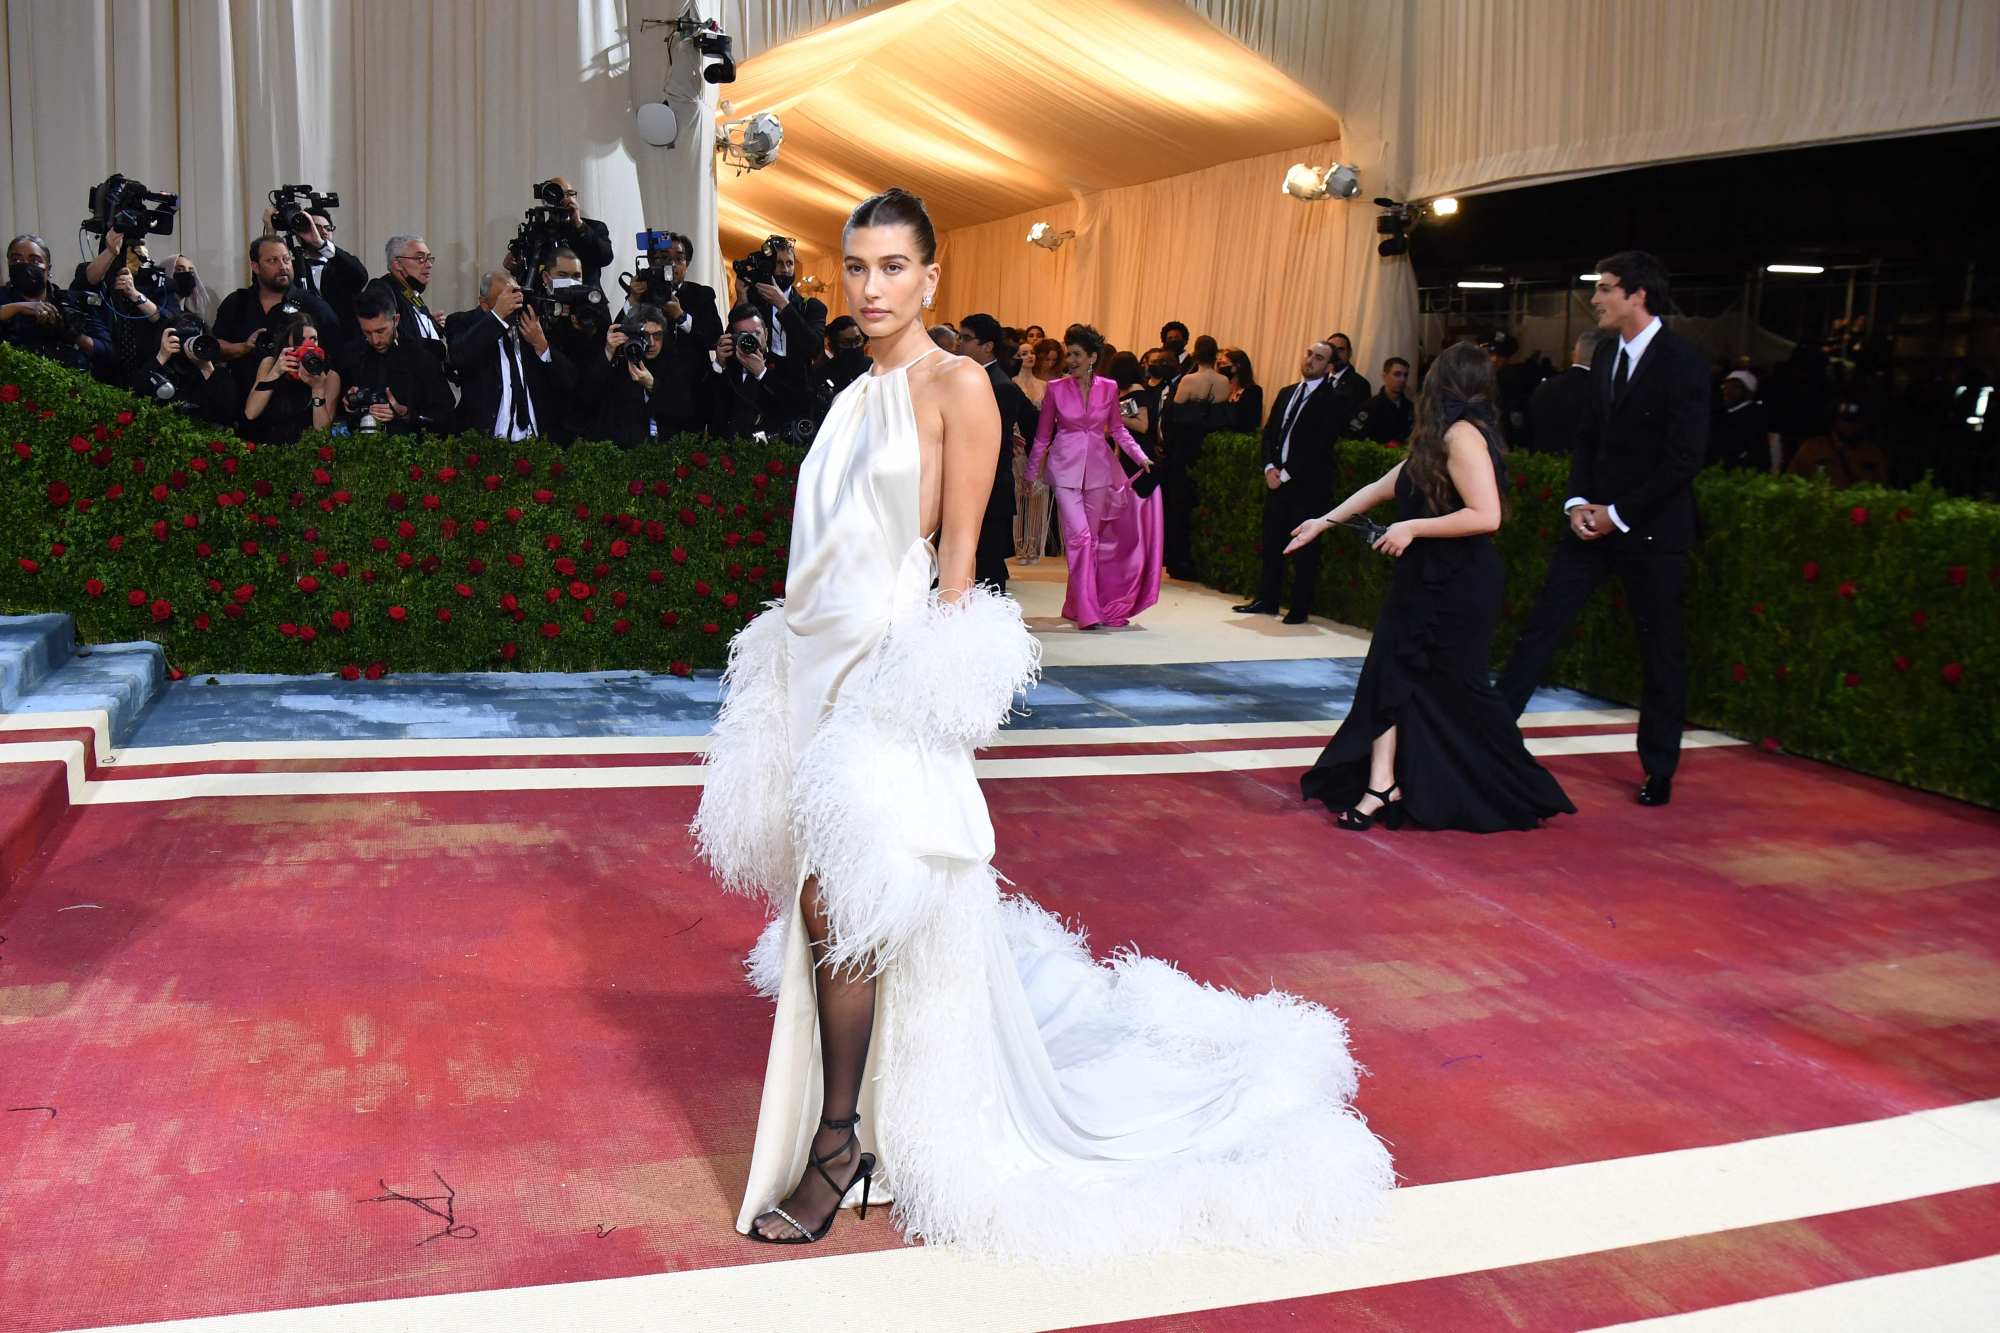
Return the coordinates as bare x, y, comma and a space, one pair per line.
894, 370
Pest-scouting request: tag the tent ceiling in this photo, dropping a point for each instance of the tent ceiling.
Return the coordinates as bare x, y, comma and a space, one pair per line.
990, 109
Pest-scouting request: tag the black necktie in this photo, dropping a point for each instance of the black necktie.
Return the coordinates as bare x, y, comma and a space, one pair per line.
1291, 415
1620, 375
522, 421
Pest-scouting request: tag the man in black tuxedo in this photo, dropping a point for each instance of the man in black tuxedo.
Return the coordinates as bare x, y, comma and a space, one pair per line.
1300, 468
409, 261
981, 338
514, 384
747, 389
377, 357
1346, 381
693, 326
795, 322
589, 237
1560, 411
1631, 505
323, 268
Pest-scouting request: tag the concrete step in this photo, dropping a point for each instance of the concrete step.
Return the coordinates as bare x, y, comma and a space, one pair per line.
118, 678
30, 648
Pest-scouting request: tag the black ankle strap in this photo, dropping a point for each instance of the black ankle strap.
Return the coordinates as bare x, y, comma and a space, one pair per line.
848, 1123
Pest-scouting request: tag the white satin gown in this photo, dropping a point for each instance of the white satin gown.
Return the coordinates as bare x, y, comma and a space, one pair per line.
1024, 1099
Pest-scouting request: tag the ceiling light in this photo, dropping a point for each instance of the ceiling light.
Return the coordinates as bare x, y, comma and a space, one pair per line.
1472, 285
1314, 183
1047, 237
750, 145
1444, 207
1809, 269
1588, 277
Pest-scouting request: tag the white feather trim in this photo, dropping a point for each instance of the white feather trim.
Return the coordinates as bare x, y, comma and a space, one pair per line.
948, 672
743, 825
765, 967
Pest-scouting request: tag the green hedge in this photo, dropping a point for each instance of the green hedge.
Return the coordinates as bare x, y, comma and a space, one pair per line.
368, 554
1860, 626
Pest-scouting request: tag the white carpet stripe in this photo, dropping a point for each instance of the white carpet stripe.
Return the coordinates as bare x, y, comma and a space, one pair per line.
404, 781
1944, 1298
1433, 1231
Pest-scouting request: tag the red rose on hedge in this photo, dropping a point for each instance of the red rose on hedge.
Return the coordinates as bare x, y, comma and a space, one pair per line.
10, 393
375, 671
710, 627
94, 587
307, 583
58, 494
565, 565
162, 609
670, 618
509, 649
136, 597
342, 620
701, 587
201, 622
1953, 673
1770, 745
1738, 672
679, 555
350, 672
444, 616
544, 496
30, 566
1846, 588
1857, 515
681, 669
1919, 619
655, 575
1956, 576
550, 629
620, 549
398, 614
729, 599
1810, 571
1851, 679
1901, 662
579, 590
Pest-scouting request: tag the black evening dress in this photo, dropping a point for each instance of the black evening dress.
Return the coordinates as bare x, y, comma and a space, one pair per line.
1459, 754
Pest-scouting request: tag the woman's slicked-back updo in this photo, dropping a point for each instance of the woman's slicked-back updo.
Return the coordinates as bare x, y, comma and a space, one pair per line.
897, 207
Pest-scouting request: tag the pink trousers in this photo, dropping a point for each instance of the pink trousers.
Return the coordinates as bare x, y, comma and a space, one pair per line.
1111, 539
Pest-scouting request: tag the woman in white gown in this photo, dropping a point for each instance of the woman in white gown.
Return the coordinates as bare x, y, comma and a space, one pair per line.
937, 1041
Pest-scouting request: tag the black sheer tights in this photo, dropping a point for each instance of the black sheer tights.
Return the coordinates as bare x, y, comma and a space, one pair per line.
846, 1020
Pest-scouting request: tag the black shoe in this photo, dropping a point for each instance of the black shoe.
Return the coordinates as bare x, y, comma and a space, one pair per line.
1656, 791
1295, 617
1255, 609
864, 1172
1390, 813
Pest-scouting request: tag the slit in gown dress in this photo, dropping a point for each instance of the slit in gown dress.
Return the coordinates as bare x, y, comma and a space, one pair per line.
1024, 1098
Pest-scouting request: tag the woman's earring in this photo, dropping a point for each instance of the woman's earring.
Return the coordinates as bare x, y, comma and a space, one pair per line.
927, 303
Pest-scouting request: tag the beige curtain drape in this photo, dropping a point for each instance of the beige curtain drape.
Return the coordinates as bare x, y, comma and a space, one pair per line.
427, 116
1220, 249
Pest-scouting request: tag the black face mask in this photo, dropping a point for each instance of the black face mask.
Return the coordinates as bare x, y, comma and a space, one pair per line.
416, 285
30, 280
184, 284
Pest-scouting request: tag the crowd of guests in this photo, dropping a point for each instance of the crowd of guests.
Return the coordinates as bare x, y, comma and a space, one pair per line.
313, 340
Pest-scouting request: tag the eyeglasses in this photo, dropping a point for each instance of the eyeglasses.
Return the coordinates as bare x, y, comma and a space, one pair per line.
425, 258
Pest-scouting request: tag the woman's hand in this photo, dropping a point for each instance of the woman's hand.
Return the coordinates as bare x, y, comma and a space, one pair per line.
288, 363
1397, 538
1306, 533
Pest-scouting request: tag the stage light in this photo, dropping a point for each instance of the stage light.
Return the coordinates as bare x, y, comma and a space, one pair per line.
1810, 270
1315, 183
750, 145
1394, 223
658, 125
810, 285
1588, 277
1471, 285
1446, 207
1047, 237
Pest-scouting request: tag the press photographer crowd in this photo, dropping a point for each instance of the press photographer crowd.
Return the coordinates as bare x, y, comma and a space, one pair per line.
312, 340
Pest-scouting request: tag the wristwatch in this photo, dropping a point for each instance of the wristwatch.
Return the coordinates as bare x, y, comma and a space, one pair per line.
318, 401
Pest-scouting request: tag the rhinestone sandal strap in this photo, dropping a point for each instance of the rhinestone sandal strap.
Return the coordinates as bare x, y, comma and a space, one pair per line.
796, 1224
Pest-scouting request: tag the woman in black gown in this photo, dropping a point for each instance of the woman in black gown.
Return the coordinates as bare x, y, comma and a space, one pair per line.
1428, 738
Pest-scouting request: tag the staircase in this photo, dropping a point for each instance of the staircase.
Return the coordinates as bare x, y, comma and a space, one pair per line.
63, 707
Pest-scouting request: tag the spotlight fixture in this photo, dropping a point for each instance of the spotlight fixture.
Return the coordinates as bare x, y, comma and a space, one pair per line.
1047, 237
709, 41
1810, 270
1473, 285
1314, 183
1393, 225
1444, 207
1588, 277
658, 125
750, 145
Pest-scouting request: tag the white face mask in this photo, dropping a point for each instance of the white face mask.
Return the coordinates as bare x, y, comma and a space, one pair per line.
565, 282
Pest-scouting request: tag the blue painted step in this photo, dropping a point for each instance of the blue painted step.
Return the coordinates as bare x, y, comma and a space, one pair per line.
119, 678
30, 648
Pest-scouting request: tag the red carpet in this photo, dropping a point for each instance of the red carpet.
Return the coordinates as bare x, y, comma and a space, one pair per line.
252, 1014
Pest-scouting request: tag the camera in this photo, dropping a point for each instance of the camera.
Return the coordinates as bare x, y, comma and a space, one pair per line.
747, 343
632, 351
551, 194
130, 209
312, 359
152, 282
580, 304
291, 203
761, 265
542, 232
197, 343
357, 400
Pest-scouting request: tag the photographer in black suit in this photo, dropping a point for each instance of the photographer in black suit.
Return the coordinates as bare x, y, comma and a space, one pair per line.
1300, 468
1631, 505
693, 325
628, 384
248, 319
747, 390
515, 385
37, 318
410, 262
590, 238
981, 338
386, 378
795, 322
326, 270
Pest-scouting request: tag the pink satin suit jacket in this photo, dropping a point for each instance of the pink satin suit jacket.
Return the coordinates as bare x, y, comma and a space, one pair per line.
1070, 438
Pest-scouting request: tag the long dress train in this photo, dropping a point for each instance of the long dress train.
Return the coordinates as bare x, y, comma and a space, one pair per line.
1025, 1099
1459, 753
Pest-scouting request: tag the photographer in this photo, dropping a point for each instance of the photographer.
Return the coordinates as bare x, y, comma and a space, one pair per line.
391, 385
183, 375
324, 269
747, 391
590, 238
509, 393
693, 324
37, 318
410, 262
630, 384
846, 357
294, 390
137, 298
251, 316
797, 323
574, 314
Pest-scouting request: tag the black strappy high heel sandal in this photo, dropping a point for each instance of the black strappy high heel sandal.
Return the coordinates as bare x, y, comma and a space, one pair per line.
1390, 812
864, 1174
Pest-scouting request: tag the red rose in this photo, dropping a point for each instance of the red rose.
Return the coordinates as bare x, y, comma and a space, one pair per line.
757, 537
687, 518
58, 494
710, 627
661, 489
509, 649
1738, 672
656, 575
543, 495
249, 548
618, 598
136, 597
475, 566
234, 610
1782, 674
513, 514
1857, 515
462, 589
342, 620
398, 614
1900, 662
1851, 679
375, 671
114, 542
776, 467
307, 583
550, 629
552, 595
201, 621
523, 468
516, 560
160, 491
30, 566
245, 591
326, 453
449, 527
635, 487
308, 633
777, 587
404, 560
95, 587
78, 445
340, 569
701, 587
619, 549
621, 626
669, 619
732, 538
21, 450
679, 555
1952, 673
406, 529
175, 673
491, 483
1846, 588
552, 542
379, 543
1770, 745
10, 393
1810, 571
698, 458
681, 669
579, 590
289, 630
509, 602
583, 511
1919, 619
564, 565
322, 477
447, 475
444, 616
350, 672
432, 502
1956, 576
729, 599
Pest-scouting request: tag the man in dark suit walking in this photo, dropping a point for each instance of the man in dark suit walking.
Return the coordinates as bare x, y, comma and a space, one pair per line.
1631, 505
980, 337
1300, 468
1559, 412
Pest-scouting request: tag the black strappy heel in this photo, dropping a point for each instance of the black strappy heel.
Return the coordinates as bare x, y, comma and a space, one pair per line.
1391, 812
864, 1174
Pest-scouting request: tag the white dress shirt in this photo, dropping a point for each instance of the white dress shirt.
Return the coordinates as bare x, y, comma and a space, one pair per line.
1633, 348
503, 424
1295, 407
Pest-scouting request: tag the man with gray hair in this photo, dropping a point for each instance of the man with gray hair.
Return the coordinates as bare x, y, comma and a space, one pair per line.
1560, 407
408, 261
514, 384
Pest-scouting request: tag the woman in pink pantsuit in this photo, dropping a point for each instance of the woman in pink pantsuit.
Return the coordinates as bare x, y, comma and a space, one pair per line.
1111, 536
